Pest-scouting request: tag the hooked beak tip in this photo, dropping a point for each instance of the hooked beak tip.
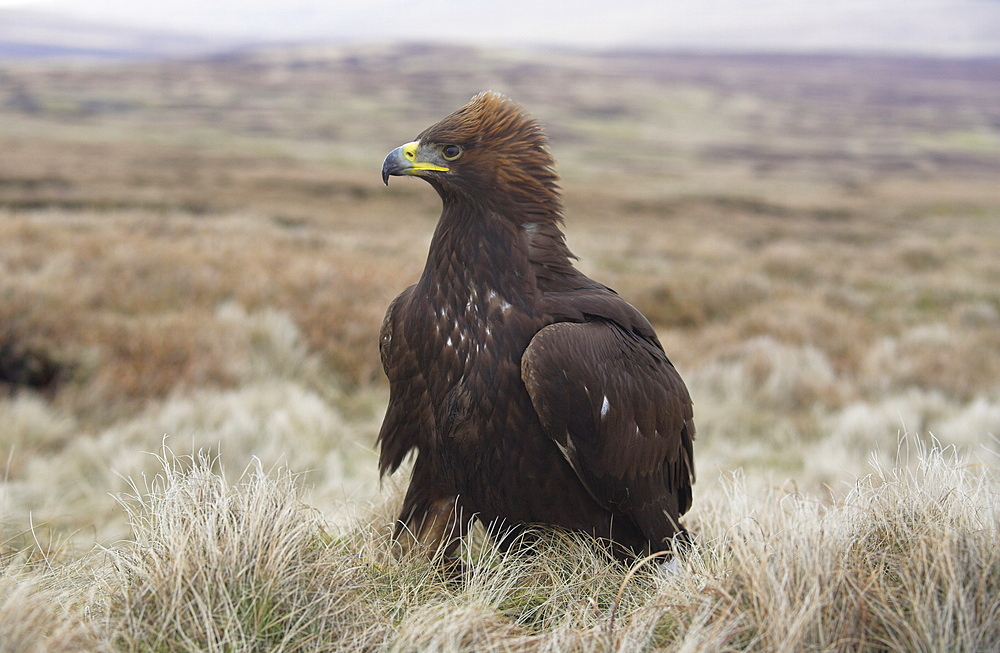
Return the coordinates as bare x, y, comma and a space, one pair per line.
392, 165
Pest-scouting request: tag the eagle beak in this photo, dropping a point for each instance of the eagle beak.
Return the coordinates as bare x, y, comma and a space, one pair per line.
403, 161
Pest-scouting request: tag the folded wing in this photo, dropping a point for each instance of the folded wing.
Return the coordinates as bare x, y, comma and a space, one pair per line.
620, 413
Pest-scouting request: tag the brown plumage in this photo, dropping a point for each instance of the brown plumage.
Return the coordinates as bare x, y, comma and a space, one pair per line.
530, 393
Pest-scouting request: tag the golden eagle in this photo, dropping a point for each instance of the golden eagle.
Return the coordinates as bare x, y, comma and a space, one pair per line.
531, 393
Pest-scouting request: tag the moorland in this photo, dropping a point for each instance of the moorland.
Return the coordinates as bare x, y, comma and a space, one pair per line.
195, 257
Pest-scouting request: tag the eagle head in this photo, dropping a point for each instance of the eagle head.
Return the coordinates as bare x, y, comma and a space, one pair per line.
489, 153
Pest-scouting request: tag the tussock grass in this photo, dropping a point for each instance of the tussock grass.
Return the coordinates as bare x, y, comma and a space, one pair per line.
41, 612
906, 561
219, 567
59, 480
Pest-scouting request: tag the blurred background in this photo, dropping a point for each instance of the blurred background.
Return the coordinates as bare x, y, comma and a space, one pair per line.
930, 27
196, 249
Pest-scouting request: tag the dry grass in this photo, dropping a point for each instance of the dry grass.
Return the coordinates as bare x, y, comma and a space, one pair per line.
197, 255
906, 561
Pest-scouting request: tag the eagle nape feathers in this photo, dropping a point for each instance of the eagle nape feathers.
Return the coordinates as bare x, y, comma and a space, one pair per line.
531, 394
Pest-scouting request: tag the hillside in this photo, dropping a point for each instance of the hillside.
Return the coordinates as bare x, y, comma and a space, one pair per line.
38, 35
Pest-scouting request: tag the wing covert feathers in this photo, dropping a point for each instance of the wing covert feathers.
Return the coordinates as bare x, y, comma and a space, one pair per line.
619, 412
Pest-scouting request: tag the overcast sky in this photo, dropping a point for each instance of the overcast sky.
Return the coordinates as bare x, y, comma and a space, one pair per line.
951, 27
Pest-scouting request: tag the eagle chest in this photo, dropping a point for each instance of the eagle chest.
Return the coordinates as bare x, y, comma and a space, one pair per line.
474, 341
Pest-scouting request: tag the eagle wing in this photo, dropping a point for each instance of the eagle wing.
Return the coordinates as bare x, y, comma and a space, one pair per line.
618, 410
407, 416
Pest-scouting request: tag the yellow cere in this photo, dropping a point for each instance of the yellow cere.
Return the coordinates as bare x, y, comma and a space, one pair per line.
410, 152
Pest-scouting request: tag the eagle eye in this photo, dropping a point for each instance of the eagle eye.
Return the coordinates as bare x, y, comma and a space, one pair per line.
451, 152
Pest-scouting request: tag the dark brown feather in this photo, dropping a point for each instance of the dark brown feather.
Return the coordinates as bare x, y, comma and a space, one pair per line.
530, 393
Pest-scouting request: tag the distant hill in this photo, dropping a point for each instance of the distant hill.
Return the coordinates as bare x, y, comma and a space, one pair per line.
172, 28
35, 35
952, 28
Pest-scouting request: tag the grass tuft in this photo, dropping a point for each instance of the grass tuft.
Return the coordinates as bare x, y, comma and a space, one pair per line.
219, 567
